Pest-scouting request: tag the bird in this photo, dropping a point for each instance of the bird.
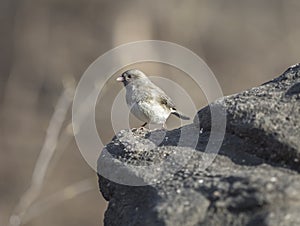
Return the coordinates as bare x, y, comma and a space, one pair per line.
146, 101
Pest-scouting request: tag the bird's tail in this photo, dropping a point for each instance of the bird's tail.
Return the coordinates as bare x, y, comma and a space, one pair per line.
179, 114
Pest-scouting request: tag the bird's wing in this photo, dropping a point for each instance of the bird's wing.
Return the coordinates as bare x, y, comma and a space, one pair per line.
167, 101
154, 93
161, 97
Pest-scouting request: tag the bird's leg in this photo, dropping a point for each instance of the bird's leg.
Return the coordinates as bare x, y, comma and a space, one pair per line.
164, 126
143, 126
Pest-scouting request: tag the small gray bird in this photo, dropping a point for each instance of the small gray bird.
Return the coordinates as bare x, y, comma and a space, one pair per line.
147, 101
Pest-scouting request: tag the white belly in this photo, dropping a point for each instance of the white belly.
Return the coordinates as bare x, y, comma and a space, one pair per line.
150, 112
146, 109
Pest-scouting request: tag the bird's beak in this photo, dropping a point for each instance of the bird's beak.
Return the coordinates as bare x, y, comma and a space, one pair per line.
120, 79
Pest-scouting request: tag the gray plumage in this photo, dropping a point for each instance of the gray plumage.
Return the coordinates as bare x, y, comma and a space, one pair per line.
147, 101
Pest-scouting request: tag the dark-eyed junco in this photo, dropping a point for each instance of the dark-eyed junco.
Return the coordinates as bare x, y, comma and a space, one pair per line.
147, 101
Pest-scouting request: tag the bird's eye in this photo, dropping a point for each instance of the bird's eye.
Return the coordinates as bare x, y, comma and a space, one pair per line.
129, 76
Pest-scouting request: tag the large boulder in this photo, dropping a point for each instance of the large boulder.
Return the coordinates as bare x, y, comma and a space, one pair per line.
161, 177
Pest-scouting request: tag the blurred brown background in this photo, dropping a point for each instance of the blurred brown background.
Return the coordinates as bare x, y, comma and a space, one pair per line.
45, 42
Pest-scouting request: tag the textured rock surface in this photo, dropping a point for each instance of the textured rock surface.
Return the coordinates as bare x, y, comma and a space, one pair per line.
253, 180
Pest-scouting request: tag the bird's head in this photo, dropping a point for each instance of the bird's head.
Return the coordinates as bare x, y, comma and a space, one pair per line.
130, 76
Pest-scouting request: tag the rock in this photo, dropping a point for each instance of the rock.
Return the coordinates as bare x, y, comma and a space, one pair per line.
266, 118
162, 177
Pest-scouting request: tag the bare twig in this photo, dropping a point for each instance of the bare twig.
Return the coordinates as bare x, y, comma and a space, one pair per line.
46, 153
55, 199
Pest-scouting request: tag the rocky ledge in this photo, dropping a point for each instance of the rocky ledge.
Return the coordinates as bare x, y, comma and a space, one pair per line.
162, 177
